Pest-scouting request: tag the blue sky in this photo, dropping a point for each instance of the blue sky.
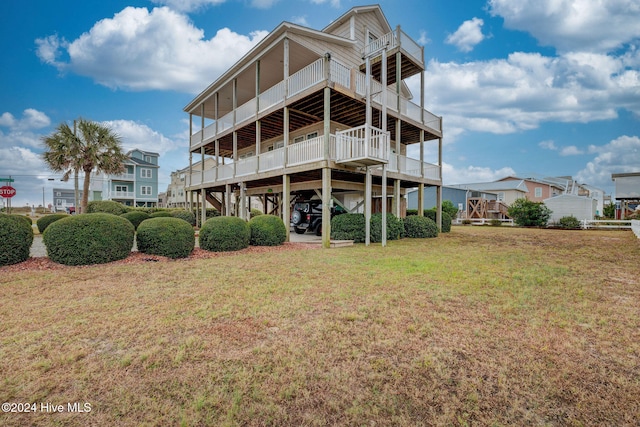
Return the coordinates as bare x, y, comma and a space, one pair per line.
525, 87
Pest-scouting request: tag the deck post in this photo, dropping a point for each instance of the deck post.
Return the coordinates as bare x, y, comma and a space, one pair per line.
439, 207
243, 202
326, 207
227, 200
367, 207
396, 197
421, 199
384, 205
286, 205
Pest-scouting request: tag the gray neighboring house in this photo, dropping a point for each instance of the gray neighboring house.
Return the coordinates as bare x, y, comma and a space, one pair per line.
457, 196
64, 199
581, 207
627, 193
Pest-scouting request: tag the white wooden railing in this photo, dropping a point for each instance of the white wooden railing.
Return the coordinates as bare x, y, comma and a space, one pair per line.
123, 177
362, 142
307, 77
307, 151
312, 150
123, 194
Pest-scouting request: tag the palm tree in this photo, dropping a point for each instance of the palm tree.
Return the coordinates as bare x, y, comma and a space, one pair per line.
92, 147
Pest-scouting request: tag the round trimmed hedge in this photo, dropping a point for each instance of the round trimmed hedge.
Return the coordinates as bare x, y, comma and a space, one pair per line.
16, 238
106, 206
135, 217
348, 226
45, 221
419, 227
267, 230
170, 237
89, 239
395, 227
25, 219
570, 222
225, 233
185, 215
160, 214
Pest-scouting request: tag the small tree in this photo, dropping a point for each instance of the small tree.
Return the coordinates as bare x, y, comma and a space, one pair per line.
92, 147
609, 211
529, 214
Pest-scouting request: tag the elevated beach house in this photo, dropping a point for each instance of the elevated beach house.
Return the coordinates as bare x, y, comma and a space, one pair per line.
327, 113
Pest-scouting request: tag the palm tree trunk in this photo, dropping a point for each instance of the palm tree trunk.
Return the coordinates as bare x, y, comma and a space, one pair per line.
85, 191
75, 191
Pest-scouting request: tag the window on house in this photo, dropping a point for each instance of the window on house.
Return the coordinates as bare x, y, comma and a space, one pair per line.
145, 173
145, 190
298, 139
312, 135
58, 194
501, 196
538, 191
122, 188
147, 159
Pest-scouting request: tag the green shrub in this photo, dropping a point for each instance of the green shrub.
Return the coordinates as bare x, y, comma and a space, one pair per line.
267, 230
348, 226
210, 213
420, 227
446, 219
135, 217
89, 239
170, 237
16, 238
184, 215
44, 221
526, 213
25, 219
255, 212
160, 214
495, 223
352, 227
395, 227
106, 206
225, 233
569, 222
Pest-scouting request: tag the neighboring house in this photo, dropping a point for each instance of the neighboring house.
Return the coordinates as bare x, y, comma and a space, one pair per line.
581, 207
458, 196
491, 200
138, 185
627, 192
162, 200
318, 112
64, 199
539, 189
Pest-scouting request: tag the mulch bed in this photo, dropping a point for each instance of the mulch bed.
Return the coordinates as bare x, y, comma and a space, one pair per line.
44, 263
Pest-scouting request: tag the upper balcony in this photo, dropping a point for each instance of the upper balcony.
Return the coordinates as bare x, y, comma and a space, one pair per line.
411, 57
123, 177
362, 146
351, 81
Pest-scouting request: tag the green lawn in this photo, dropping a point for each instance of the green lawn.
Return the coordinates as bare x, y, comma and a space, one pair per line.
482, 326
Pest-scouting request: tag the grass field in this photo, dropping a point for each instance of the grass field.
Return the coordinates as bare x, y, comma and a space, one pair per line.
482, 326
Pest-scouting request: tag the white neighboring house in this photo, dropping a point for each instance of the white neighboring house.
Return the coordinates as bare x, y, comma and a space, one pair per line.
563, 205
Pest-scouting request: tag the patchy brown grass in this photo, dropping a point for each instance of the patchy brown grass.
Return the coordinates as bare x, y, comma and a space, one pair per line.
482, 326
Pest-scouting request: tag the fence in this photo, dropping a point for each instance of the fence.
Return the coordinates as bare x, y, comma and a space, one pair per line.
605, 223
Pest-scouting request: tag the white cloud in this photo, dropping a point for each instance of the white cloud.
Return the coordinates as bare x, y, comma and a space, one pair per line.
189, 5
142, 50
573, 25
332, 3
548, 145
571, 150
622, 155
423, 39
527, 89
137, 135
470, 174
31, 119
468, 35
300, 20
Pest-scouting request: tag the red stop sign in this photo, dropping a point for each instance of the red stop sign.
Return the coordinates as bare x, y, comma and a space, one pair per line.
7, 191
